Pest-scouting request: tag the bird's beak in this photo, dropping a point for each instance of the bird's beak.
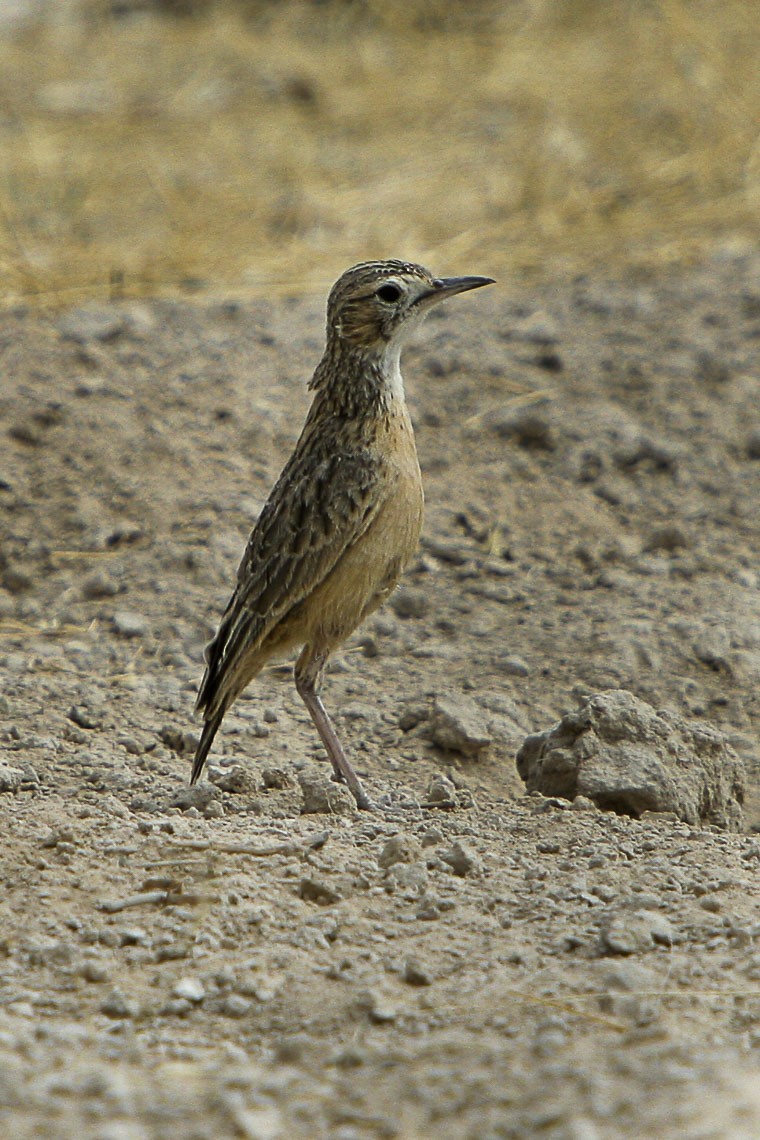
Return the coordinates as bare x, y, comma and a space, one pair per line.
444, 287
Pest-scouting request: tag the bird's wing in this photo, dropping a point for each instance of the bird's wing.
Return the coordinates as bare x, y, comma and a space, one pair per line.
316, 510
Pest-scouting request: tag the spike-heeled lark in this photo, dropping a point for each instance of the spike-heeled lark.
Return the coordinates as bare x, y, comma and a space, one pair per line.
343, 519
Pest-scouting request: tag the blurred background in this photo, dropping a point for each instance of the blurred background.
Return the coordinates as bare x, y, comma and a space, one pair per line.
252, 147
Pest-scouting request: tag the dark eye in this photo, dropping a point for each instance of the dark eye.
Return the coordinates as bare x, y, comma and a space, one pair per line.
389, 293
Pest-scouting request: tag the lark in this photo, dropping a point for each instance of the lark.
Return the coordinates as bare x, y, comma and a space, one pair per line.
343, 520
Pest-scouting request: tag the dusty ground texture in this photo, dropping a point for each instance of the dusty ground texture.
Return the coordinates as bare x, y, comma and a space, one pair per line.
471, 961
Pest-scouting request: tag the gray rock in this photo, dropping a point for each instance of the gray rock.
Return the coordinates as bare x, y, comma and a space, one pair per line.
116, 1005
191, 989
416, 973
625, 756
410, 603
399, 849
129, 624
322, 795
233, 1005
198, 797
92, 322
458, 725
461, 859
627, 931
238, 780
11, 779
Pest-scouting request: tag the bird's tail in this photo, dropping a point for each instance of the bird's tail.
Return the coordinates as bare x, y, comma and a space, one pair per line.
206, 740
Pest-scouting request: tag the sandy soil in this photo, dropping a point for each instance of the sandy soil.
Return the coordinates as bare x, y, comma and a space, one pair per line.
471, 961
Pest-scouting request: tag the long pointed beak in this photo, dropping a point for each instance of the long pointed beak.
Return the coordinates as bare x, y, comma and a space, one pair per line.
448, 286
444, 287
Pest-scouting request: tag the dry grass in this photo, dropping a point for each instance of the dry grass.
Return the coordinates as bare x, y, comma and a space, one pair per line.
247, 156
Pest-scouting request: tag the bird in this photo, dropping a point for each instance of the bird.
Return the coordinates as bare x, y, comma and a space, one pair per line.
343, 519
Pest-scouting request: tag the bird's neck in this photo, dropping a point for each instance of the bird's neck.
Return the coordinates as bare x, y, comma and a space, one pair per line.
359, 382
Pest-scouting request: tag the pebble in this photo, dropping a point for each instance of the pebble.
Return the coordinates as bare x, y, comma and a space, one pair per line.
511, 665
399, 849
318, 891
92, 322
410, 603
415, 973
191, 989
457, 725
635, 931
441, 792
199, 796
234, 1005
11, 778
116, 1005
461, 859
237, 780
127, 623
322, 795
100, 585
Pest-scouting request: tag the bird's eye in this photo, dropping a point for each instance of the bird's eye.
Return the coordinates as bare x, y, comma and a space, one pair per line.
389, 293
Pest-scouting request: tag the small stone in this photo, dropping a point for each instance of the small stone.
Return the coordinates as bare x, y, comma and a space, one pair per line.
399, 849
92, 322
668, 538
11, 779
199, 796
86, 716
635, 931
377, 1007
99, 585
324, 796
441, 793
461, 859
237, 780
127, 623
457, 725
118, 1007
711, 369
318, 891
233, 1005
415, 973
191, 989
277, 778
511, 665
93, 971
409, 603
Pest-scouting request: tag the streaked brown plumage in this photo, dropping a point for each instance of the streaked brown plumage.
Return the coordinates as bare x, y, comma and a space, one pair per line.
343, 519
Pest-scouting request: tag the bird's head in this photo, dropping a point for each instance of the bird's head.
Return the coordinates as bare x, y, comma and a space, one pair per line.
375, 305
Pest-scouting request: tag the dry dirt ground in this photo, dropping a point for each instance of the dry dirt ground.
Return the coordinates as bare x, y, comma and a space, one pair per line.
469, 961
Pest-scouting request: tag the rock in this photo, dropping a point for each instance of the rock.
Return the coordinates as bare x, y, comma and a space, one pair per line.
238, 780
441, 792
198, 797
11, 779
399, 849
323, 795
233, 1005
627, 931
529, 425
457, 725
318, 891
626, 757
410, 603
118, 1006
415, 973
129, 624
93, 322
461, 859
191, 989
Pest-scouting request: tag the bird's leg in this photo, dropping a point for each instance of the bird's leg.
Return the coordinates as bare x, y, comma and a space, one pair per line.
308, 673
